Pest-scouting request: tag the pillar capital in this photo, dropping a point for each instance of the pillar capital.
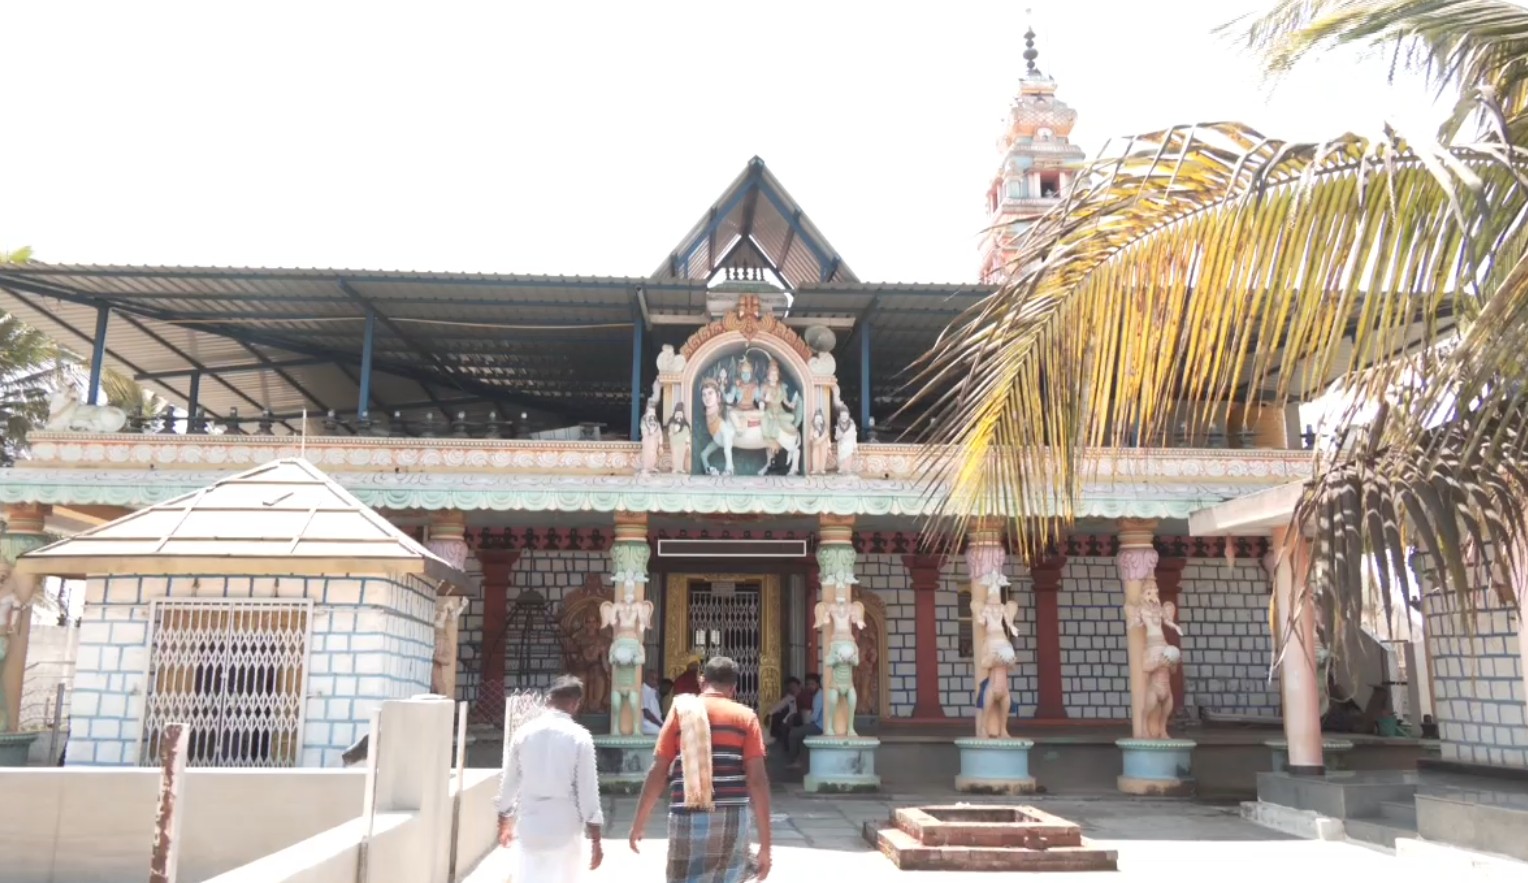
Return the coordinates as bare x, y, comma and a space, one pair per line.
835, 529
1135, 532
630, 526
1046, 573
448, 537
26, 518
985, 555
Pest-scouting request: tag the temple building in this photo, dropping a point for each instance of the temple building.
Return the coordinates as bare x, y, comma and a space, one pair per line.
705, 459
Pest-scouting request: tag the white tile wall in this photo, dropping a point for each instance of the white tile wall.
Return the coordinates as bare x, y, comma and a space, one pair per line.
888, 578
1227, 647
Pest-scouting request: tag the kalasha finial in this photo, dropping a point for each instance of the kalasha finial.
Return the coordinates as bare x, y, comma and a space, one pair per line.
1030, 52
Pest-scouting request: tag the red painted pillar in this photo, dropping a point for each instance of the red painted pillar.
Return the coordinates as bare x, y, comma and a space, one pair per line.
1046, 574
497, 564
1169, 576
924, 570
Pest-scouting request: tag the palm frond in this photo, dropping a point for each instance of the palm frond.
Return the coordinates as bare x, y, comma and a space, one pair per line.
1477, 47
1198, 267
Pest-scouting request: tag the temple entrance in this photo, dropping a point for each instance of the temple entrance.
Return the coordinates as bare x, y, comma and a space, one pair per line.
720, 614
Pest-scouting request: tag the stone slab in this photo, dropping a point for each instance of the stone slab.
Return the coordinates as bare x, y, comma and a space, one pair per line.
1481, 820
1288, 820
965, 825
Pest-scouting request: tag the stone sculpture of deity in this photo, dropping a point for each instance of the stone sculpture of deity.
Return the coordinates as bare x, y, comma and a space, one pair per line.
628, 618
781, 407
1161, 657
8, 607
679, 440
848, 439
652, 437
821, 441
844, 616
995, 658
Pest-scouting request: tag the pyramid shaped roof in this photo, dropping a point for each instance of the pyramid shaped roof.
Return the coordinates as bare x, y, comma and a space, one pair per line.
282, 517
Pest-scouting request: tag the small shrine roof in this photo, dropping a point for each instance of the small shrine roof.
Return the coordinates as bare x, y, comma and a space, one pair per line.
282, 517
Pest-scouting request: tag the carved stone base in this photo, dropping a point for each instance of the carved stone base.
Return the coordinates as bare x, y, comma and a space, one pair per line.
994, 766
841, 765
1157, 767
623, 762
1332, 751
14, 748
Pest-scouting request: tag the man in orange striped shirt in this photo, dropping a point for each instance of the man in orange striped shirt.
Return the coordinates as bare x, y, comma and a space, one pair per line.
710, 762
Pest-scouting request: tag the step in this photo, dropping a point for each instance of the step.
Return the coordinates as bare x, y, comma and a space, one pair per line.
908, 854
1400, 812
1377, 831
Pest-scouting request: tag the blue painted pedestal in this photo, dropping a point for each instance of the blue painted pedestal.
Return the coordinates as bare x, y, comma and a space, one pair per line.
623, 762
1332, 751
841, 764
994, 766
1157, 767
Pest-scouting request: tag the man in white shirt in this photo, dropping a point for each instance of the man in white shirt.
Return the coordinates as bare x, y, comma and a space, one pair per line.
652, 706
549, 798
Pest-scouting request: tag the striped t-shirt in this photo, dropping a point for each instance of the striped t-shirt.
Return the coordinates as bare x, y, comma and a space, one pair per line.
735, 738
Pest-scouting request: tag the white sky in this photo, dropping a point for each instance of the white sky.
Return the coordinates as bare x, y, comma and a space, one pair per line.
580, 137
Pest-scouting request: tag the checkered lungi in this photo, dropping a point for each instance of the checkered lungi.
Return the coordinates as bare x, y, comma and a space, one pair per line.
711, 847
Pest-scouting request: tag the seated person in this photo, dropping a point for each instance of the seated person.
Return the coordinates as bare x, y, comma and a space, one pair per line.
798, 734
779, 717
652, 708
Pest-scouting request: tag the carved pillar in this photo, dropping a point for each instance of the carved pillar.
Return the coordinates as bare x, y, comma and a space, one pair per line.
835, 576
1047, 580
23, 532
1169, 575
497, 566
924, 571
629, 554
985, 557
1294, 640
447, 541
1137, 562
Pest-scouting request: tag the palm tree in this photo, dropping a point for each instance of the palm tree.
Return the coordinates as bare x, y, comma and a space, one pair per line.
1196, 263
27, 364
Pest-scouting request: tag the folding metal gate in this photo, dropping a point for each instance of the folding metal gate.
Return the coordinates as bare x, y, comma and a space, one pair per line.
236, 672
726, 621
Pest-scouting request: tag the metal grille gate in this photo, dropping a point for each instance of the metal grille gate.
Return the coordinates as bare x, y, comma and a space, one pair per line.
236, 672
726, 623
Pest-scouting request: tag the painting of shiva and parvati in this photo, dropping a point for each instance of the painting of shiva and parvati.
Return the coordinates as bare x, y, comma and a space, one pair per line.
749, 416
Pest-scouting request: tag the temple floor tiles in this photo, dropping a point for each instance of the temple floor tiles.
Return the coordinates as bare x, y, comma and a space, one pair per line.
816, 838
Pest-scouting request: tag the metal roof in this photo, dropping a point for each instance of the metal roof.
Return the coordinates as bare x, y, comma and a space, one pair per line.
282, 517
756, 218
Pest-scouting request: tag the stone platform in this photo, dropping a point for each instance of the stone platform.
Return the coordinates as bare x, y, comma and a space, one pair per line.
962, 837
623, 762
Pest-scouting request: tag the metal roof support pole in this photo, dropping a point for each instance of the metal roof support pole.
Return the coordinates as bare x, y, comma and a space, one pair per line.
363, 406
194, 400
98, 355
636, 376
865, 379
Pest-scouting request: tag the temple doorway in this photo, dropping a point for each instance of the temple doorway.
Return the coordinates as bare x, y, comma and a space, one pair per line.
726, 614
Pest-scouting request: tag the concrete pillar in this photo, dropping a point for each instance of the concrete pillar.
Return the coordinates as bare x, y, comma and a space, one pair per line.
924, 573
1295, 641
629, 554
1137, 563
23, 532
835, 576
1047, 581
414, 775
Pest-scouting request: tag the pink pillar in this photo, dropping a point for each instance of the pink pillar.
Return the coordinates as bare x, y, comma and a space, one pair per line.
1297, 638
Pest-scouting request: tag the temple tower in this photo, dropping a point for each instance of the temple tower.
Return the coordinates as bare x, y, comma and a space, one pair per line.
1036, 165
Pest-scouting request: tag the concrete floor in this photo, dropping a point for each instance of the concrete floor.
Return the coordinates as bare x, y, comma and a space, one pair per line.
1156, 840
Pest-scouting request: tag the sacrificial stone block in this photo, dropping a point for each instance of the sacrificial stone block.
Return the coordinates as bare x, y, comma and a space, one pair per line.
966, 837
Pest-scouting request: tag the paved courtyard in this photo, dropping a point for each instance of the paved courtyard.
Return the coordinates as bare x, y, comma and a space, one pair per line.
1156, 840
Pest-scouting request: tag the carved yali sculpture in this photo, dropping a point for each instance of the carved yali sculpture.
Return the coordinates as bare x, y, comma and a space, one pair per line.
995, 621
628, 618
1161, 657
843, 655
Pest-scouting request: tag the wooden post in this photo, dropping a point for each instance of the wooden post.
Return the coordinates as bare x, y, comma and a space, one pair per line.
166, 854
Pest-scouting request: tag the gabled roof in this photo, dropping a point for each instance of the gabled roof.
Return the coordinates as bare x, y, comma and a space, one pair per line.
283, 517
756, 211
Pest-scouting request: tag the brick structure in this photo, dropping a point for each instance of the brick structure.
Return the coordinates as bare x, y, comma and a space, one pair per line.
1477, 680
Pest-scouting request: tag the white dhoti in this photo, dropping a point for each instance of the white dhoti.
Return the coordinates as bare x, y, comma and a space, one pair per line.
540, 863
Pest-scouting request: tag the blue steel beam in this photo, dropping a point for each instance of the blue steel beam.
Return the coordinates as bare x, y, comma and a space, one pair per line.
194, 400
98, 354
231, 369
364, 398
